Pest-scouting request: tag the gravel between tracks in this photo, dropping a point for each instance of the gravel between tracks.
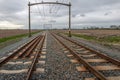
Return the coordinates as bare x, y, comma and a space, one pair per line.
58, 66
12, 76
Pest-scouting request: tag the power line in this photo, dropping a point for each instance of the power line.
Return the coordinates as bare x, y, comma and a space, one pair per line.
59, 7
43, 10
38, 9
53, 8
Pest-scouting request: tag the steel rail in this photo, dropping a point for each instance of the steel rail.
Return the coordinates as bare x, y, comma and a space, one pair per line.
81, 60
114, 61
29, 47
32, 67
32, 48
14, 53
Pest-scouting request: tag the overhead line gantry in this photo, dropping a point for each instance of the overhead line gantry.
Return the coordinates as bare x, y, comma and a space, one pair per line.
59, 3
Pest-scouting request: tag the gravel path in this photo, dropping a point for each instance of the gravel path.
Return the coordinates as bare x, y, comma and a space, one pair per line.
58, 66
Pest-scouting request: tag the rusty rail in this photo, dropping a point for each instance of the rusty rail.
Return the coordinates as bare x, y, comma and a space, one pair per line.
32, 67
32, 48
15, 53
29, 47
81, 60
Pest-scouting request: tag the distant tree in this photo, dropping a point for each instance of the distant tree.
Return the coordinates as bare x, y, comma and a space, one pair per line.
119, 27
113, 26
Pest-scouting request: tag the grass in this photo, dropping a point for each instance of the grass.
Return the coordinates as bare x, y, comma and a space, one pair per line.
85, 36
109, 39
15, 37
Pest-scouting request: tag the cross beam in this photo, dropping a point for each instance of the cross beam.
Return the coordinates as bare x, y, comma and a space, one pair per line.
32, 4
65, 4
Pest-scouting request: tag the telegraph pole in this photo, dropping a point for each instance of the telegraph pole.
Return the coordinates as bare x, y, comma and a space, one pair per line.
29, 18
70, 19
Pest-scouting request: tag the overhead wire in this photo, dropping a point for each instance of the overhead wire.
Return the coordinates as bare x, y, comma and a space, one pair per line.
62, 1
43, 10
53, 6
53, 10
38, 9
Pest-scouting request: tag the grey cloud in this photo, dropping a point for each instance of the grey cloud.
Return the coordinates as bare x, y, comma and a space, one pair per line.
82, 15
107, 13
88, 11
12, 6
85, 6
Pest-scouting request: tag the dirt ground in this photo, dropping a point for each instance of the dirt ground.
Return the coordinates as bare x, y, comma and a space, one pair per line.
98, 33
13, 32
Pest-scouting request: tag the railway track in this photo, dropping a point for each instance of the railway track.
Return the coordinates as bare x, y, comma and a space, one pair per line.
22, 62
36, 57
93, 65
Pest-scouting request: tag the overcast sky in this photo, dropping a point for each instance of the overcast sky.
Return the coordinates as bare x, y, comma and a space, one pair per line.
102, 13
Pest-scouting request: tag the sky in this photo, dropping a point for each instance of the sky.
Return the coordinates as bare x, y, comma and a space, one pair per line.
85, 13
